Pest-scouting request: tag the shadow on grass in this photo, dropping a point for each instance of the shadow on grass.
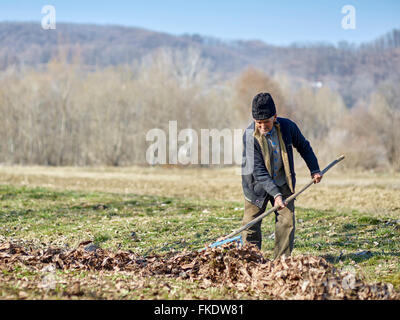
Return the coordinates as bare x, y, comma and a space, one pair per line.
359, 256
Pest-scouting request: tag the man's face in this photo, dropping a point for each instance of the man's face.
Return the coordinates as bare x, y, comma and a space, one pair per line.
265, 125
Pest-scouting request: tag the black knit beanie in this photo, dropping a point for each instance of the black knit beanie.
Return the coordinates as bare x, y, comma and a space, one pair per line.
263, 106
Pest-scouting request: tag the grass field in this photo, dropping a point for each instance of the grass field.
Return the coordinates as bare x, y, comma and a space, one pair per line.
352, 220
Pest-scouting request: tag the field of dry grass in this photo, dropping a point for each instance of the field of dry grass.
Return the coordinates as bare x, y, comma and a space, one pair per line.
368, 192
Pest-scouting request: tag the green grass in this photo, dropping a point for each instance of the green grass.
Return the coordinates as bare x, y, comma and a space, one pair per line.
147, 224
67, 218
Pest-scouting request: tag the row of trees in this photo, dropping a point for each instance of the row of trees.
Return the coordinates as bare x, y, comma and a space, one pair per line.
63, 115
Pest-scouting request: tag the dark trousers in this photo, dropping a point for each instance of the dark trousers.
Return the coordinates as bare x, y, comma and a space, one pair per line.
284, 225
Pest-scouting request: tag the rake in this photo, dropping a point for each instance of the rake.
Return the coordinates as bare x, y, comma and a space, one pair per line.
233, 237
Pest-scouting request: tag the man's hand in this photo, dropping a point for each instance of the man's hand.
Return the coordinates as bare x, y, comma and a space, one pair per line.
279, 202
317, 177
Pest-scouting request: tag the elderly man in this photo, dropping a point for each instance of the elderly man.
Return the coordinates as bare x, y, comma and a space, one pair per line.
268, 152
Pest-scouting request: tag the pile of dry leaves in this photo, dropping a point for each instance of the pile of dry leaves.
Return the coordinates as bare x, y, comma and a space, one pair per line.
244, 269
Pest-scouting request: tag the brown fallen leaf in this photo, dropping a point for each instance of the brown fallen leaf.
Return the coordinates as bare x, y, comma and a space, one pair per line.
84, 243
5, 246
75, 290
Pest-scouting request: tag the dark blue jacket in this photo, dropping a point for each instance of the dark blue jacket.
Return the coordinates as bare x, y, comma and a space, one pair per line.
256, 181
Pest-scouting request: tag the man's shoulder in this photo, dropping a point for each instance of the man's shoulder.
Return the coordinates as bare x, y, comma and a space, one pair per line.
288, 127
285, 121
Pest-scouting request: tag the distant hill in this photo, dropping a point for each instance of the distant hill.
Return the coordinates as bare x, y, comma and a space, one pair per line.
352, 70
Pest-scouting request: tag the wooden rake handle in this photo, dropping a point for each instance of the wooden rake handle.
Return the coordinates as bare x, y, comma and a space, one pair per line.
293, 196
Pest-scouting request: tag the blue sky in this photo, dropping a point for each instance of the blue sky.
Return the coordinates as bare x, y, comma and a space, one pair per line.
276, 22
